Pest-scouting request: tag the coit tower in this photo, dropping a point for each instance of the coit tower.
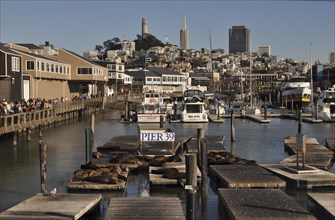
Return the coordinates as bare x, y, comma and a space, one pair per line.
144, 27
184, 36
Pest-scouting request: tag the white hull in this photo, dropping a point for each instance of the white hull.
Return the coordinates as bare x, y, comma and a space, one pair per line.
150, 118
193, 118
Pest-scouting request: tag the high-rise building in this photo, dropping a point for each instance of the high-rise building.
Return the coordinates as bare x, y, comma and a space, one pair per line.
332, 58
144, 27
184, 36
239, 37
264, 49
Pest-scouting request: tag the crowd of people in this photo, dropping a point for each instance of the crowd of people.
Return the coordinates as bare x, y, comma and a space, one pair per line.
32, 104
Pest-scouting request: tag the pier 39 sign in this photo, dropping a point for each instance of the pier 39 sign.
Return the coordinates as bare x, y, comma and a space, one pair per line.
156, 135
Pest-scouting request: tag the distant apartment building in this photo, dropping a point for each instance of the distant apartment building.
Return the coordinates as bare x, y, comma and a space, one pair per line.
332, 58
239, 39
264, 50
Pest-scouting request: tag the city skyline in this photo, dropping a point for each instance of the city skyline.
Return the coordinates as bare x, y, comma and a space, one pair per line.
287, 26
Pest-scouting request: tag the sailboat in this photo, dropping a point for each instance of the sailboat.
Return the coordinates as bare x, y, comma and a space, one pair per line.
251, 109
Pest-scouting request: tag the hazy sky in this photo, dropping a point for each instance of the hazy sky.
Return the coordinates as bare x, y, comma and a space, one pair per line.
288, 26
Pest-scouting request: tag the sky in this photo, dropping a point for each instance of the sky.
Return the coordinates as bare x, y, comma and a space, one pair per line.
289, 27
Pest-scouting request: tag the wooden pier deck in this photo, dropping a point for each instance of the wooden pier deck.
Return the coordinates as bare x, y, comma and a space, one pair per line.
260, 204
244, 176
324, 202
307, 180
58, 206
214, 144
145, 208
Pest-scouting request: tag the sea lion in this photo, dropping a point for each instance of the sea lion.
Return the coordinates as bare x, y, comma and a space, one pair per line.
165, 171
89, 166
102, 179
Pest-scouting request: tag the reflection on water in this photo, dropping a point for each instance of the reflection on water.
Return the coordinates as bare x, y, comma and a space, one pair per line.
19, 166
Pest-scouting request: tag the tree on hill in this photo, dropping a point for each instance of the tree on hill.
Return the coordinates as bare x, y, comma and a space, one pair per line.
146, 42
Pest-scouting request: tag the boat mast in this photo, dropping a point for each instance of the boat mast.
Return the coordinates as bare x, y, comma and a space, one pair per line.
250, 66
210, 56
311, 72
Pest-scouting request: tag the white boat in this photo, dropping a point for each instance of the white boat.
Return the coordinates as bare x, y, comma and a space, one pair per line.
296, 91
326, 104
193, 106
152, 108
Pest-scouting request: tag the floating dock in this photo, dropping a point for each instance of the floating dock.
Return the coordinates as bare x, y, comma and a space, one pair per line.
324, 202
148, 208
305, 118
257, 118
243, 176
58, 206
260, 204
306, 180
316, 155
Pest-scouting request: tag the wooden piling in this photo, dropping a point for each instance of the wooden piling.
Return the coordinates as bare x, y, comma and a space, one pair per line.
14, 138
316, 110
161, 121
40, 131
300, 121
92, 131
175, 110
232, 125
204, 171
43, 166
28, 131
88, 145
218, 111
200, 134
191, 184
265, 112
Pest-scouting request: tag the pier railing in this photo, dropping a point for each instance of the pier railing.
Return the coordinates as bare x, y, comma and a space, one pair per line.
62, 111
16, 122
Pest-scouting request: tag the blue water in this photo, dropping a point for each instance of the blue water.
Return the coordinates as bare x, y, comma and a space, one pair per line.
19, 166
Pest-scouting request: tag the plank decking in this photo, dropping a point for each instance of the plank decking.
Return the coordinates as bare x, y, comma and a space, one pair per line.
244, 176
148, 208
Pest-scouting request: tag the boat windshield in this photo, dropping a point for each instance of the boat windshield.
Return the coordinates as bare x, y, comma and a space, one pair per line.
194, 93
193, 108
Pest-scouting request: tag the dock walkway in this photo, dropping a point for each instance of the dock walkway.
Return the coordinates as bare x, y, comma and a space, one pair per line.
58, 206
214, 144
148, 208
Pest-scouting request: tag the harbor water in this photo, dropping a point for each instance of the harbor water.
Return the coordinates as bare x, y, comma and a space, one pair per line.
19, 166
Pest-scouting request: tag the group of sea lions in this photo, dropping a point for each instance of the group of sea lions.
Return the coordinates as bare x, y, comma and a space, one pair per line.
226, 158
158, 161
97, 174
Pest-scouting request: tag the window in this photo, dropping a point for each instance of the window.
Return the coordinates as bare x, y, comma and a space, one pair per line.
84, 71
42, 66
52, 68
16, 64
56, 66
30, 65
61, 69
38, 65
48, 67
